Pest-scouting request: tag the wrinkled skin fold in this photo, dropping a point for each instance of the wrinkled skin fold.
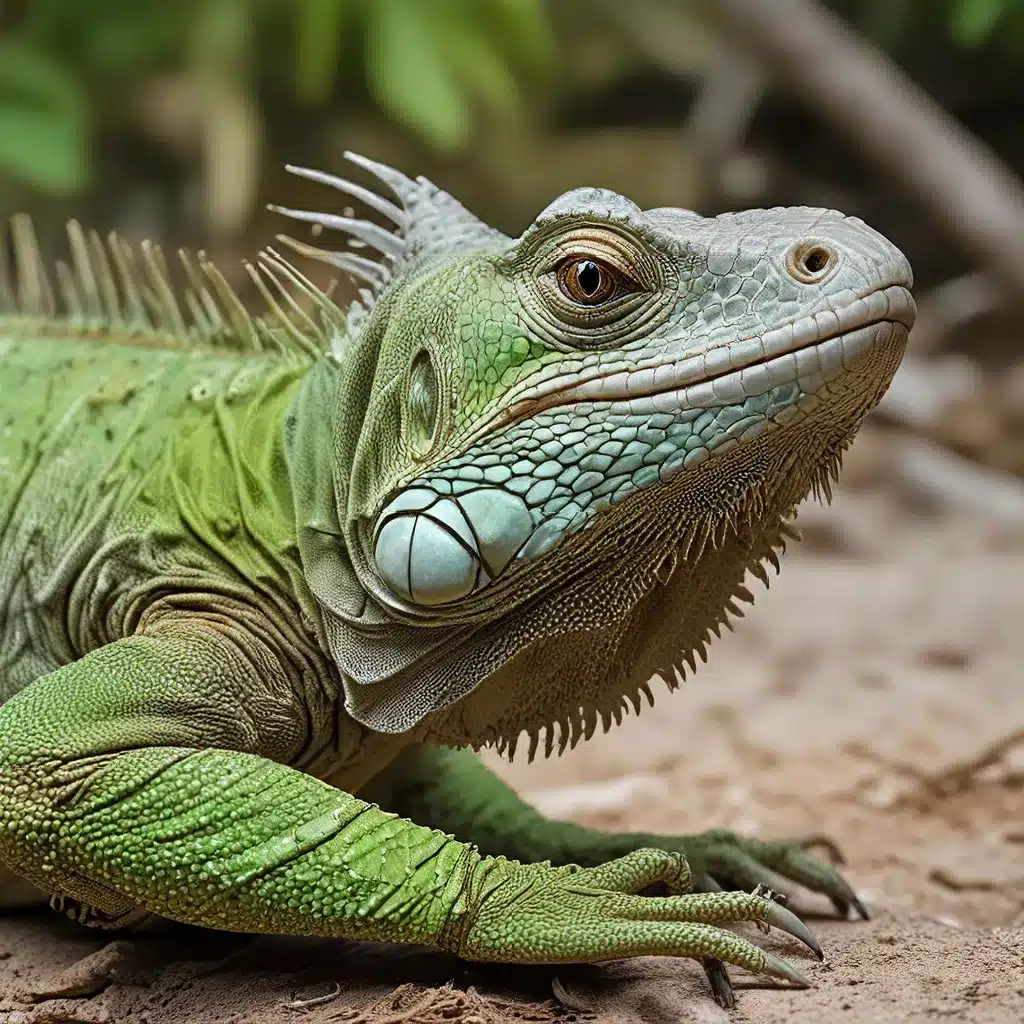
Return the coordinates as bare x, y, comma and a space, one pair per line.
266, 583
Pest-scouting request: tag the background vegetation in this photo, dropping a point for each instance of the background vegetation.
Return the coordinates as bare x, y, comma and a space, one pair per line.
203, 87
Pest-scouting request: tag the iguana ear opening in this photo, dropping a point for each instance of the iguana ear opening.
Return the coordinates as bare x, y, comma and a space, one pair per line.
423, 404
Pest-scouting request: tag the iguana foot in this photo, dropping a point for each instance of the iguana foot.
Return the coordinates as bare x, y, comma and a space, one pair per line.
93, 917
723, 860
535, 913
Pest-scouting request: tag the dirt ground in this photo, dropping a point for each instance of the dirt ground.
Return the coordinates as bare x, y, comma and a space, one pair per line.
874, 695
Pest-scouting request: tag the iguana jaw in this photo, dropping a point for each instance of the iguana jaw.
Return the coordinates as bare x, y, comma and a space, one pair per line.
637, 600
715, 375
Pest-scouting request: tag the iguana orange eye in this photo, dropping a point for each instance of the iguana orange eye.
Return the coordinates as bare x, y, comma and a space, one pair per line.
587, 282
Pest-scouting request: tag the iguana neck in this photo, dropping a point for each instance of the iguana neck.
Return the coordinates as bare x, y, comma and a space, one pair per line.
227, 476
372, 650
237, 489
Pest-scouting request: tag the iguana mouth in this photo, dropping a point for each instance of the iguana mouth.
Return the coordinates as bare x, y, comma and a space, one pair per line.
891, 305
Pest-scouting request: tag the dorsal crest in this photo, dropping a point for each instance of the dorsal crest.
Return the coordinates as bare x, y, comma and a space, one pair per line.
105, 283
425, 221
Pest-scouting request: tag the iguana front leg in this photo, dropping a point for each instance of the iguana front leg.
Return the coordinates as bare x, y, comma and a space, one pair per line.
454, 791
137, 776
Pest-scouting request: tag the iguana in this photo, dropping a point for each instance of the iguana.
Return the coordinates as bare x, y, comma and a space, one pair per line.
267, 582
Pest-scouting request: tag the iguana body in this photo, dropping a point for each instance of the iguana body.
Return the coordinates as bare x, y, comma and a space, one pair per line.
255, 574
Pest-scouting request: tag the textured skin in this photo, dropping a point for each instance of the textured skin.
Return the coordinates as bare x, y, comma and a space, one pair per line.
248, 601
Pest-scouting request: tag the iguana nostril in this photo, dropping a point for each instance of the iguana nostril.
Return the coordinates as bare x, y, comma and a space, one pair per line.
811, 262
816, 261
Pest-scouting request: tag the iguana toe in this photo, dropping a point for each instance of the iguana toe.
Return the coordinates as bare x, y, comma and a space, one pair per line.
539, 914
724, 859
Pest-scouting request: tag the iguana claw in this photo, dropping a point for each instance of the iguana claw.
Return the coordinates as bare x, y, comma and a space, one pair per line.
779, 968
720, 858
718, 979
786, 921
862, 911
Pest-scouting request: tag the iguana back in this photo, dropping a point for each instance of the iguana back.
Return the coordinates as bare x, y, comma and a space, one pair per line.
126, 426
88, 426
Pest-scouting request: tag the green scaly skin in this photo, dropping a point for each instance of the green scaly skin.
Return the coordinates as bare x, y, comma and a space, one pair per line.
245, 644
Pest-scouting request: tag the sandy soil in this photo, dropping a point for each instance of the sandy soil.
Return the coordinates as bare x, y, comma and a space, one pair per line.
874, 694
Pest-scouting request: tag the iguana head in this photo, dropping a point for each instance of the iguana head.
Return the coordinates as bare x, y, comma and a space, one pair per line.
555, 457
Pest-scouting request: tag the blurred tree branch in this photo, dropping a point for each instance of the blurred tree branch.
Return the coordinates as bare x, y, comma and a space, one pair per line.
816, 57
720, 118
949, 305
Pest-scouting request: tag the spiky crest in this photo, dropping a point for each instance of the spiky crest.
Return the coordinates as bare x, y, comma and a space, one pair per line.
106, 285
428, 221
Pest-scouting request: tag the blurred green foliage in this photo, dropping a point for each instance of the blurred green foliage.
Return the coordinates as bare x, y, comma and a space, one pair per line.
427, 63
43, 119
68, 65
969, 24
974, 21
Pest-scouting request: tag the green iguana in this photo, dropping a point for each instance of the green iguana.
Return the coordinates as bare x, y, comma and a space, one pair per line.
267, 582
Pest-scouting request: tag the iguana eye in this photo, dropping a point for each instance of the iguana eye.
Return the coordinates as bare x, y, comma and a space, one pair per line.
588, 282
